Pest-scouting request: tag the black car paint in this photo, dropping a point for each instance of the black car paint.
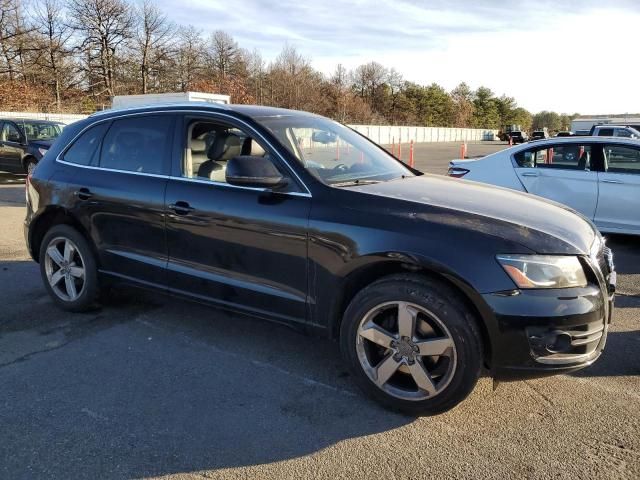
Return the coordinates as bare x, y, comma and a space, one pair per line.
297, 257
14, 155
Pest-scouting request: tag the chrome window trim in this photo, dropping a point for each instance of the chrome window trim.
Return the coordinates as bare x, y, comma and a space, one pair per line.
199, 112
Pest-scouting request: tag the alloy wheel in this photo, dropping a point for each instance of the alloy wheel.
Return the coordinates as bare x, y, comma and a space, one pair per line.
65, 269
406, 350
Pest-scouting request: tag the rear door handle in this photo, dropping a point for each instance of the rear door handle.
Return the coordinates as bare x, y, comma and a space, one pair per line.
610, 181
530, 174
83, 194
181, 208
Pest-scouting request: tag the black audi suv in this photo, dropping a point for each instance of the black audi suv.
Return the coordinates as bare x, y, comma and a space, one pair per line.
424, 280
23, 142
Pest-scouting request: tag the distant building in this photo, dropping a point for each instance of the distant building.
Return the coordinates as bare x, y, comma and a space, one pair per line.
585, 123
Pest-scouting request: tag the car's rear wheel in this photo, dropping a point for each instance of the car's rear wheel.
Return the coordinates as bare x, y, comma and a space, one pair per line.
30, 165
412, 344
68, 269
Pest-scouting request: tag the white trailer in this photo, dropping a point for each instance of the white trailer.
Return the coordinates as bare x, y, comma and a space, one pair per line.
128, 101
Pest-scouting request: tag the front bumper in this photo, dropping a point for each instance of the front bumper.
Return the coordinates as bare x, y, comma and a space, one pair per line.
544, 332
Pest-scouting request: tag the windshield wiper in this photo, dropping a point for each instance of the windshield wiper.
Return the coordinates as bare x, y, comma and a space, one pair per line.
352, 183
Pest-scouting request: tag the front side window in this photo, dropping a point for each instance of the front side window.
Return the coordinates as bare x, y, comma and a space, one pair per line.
86, 149
333, 153
622, 159
138, 144
210, 146
10, 133
572, 156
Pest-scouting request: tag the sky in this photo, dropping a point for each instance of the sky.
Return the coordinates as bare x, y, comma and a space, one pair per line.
569, 56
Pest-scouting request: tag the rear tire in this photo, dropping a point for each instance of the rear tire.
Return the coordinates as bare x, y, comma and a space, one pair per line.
425, 372
30, 165
68, 268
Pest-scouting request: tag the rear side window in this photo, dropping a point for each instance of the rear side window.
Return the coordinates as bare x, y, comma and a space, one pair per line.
86, 149
622, 159
572, 156
605, 132
138, 144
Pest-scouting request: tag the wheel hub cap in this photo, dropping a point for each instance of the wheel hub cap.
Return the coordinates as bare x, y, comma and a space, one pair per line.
405, 350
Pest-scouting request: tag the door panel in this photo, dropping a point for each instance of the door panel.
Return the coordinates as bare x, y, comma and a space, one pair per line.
619, 199
240, 248
124, 214
116, 184
560, 173
10, 150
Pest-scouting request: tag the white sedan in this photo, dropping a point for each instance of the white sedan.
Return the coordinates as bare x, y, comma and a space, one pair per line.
597, 176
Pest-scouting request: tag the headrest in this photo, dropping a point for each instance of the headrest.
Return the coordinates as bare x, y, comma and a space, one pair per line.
198, 145
252, 148
225, 146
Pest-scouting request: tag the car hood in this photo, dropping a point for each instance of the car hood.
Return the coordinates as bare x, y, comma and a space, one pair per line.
536, 223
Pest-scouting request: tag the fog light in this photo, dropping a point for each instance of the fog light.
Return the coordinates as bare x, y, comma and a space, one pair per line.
558, 342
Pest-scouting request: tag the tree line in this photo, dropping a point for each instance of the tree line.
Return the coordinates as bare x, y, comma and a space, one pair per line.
74, 55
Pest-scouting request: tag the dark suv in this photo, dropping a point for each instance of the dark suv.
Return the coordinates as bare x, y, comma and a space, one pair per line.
24, 142
292, 217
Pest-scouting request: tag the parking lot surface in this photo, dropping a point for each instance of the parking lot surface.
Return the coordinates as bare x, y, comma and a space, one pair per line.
150, 386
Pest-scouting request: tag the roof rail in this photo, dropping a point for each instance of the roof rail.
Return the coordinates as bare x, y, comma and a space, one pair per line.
153, 106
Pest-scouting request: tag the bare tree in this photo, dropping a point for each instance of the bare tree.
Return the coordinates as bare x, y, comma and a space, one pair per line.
13, 31
103, 26
189, 57
55, 55
224, 54
155, 37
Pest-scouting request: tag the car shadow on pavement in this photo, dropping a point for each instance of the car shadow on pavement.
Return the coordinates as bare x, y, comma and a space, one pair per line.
149, 385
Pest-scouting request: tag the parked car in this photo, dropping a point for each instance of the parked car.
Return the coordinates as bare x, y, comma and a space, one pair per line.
582, 133
599, 177
518, 137
540, 134
565, 134
292, 217
614, 131
24, 142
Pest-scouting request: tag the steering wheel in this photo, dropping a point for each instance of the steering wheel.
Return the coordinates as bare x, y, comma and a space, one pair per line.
341, 167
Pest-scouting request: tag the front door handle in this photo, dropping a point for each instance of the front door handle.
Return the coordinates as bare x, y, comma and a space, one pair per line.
83, 194
610, 181
181, 208
530, 174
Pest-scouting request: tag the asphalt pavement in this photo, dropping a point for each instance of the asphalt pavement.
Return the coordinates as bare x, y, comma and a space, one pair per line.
151, 386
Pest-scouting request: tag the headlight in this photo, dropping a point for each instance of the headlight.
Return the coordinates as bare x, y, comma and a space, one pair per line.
544, 271
43, 150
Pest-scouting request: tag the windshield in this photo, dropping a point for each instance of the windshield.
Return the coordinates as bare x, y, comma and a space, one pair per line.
42, 130
333, 153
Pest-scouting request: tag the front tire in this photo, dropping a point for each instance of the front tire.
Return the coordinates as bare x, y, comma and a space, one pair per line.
412, 344
68, 268
30, 165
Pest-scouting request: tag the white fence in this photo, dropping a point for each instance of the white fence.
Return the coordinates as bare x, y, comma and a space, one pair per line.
55, 117
381, 134
386, 135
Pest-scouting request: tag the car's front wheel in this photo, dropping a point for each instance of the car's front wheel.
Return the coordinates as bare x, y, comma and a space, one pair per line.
412, 344
69, 269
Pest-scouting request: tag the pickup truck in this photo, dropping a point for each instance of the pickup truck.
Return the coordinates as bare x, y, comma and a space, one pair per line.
614, 131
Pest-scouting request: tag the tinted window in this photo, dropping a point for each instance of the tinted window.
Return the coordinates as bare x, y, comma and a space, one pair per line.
85, 150
605, 132
138, 144
622, 159
568, 157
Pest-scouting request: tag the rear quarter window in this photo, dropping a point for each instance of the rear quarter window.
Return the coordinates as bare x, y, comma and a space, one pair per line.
85, 150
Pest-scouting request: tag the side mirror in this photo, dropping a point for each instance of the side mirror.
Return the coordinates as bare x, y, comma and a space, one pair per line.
256, 172
324, 137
